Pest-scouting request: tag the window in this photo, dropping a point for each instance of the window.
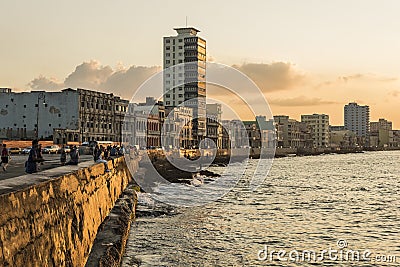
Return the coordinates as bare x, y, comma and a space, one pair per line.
24, 106
167, 54
49, 124
167, 102
167, 61
168, 95
36, 105
180, 60
180, 47
167, 48
59, 115
168, 41
180, 40
45, 105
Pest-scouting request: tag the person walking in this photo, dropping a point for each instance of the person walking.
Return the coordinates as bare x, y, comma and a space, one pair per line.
63, 156
31, 165
5, 157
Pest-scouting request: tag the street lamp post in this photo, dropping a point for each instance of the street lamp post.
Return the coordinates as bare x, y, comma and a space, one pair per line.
40, 96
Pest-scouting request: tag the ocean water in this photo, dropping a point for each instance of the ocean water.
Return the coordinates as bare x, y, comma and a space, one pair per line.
328, 210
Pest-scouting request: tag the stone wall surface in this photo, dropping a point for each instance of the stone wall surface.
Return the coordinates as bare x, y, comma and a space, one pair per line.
55, 223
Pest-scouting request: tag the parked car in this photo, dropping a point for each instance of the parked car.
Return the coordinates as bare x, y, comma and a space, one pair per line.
14, 150
67, 149
26, 150
51, 149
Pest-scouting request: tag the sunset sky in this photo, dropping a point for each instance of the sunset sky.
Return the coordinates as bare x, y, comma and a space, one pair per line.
306, 56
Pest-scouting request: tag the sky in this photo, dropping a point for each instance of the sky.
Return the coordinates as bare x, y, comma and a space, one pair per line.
306, 56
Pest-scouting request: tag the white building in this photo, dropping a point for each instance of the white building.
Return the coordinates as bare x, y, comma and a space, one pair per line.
234, 134
185, 85
319, 125
35, 114
76, 115
177, 128
356, 119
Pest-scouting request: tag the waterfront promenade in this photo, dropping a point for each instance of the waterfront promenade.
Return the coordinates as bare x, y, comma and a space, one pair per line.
15, 178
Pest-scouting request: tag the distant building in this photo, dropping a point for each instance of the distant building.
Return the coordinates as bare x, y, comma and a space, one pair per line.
155, 112
177, 130
253, 133
214, 126
186, 85
319, 124
234, 134
267, 131
356, 119
381, 134
336, 128
288, 132
396, 138
342, 139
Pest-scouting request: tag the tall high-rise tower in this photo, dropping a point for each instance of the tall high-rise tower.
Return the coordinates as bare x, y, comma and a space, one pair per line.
356, 119
186, 85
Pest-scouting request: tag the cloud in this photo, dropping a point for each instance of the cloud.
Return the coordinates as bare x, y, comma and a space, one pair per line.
299, 101
126, 81
43, 83
276, 76
92, 75
351, 77
89, 75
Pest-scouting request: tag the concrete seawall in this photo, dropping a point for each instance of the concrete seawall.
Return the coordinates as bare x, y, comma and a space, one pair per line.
54, 223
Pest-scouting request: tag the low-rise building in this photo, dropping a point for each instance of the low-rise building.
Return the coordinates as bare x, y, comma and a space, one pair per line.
343, 139
319, 124
177, 129
381, 134
288, 132
214, 126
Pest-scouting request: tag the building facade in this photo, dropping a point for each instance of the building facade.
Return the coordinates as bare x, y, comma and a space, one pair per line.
234, 134
186, 84
381, 134
356, 119
214, 126
71, 115
177, 128
288, 132
319, 125
29, 115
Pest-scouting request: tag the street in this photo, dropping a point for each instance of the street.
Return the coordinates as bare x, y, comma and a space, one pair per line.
16, 166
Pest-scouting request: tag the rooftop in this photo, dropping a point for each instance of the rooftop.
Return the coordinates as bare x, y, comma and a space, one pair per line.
187, 30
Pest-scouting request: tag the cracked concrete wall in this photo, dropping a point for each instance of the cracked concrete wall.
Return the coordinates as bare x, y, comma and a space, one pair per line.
55, 223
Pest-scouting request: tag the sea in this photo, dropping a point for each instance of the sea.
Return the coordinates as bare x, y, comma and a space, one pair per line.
326, 210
